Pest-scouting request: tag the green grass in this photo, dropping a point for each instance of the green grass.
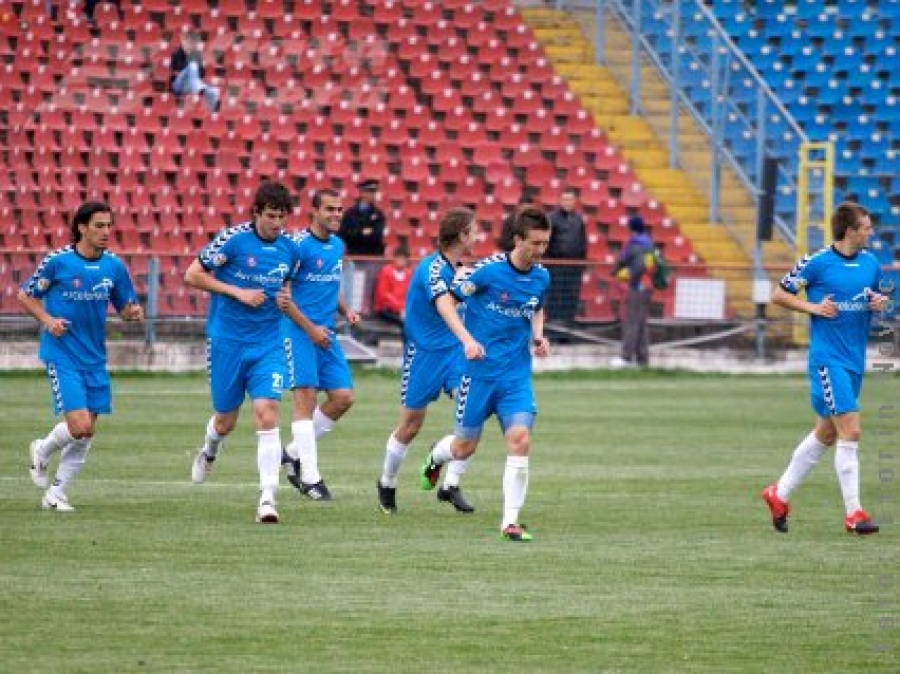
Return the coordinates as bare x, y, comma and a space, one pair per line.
652, 550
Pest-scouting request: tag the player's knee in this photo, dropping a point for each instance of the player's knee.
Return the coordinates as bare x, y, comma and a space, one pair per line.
518, 441
827, 437
81, 428
267, 418
852, 435
224, 424
460, 451
343, 400
409, 429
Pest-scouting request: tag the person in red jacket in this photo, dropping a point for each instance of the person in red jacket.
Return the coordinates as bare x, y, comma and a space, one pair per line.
390, 289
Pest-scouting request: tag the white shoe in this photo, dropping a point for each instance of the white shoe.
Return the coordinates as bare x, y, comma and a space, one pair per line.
266, 513
201, 467
38, 469
57, 502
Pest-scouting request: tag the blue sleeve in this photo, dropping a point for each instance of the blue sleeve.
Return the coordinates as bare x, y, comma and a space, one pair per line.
470, 285
123, 289
216, 252
40, 282
801, 276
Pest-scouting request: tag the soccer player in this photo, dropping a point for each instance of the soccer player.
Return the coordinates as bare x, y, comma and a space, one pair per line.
504, 318
69, 295
243, 268
842, 284
432, 359
315, 359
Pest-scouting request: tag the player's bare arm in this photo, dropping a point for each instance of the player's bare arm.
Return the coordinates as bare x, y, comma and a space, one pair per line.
540, 341
446, 306
826, 308
877, 301
198, 277
55, 326
132, 312
319, 335
344, 310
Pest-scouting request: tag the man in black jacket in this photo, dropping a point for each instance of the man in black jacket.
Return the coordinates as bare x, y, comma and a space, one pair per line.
568, 241
362, 227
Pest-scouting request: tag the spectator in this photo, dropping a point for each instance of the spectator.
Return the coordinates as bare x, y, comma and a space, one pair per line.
390, 289
188, 72
632, 267
362, 227
567, 242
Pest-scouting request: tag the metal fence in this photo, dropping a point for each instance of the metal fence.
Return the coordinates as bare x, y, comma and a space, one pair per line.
711, 79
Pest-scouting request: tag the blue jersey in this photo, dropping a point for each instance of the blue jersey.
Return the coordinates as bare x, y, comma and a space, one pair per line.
239, 257
839, 341
424, 326
317, 278
500, 304
79, 290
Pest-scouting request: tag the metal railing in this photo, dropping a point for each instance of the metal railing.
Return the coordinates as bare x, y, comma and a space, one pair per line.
712, 80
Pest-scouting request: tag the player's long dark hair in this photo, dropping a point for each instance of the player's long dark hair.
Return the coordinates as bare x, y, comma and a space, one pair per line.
83, 216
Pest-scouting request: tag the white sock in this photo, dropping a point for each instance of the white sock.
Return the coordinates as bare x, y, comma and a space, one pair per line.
58, 438
846, 464
305, 447
213, 441
805, 457
440, 453
70, 463
321, 423
268, 460
455, 470
394, 453
515, 486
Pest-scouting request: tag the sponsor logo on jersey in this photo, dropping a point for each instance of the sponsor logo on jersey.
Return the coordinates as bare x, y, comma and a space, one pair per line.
525, 311
333, 276
98, 293
280, 271
467, 288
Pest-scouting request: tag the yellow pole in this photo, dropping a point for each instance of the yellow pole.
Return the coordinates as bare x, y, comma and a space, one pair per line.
813, 156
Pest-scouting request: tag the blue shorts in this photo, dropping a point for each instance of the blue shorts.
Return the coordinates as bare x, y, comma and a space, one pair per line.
426, 373
237, 369
834, 390
309, 366
511, 400
75, 389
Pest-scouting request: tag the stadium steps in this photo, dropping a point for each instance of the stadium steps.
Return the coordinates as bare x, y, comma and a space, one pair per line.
736, 204
573, 57
727, 250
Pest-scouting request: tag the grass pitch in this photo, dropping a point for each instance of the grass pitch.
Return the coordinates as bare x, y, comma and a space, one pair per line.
652, 550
